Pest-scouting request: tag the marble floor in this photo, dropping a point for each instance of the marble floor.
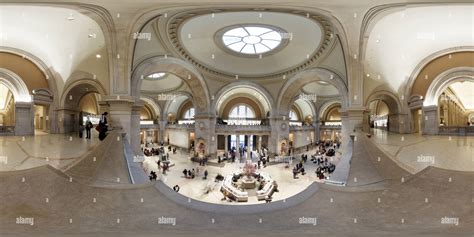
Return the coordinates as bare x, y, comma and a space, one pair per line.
415, 152
57, 150
435, 202
209, 191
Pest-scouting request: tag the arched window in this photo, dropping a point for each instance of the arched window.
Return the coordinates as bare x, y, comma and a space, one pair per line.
189, 114
241, 111
293, 116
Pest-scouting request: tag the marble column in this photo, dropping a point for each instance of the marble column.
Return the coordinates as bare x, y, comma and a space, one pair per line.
430, 120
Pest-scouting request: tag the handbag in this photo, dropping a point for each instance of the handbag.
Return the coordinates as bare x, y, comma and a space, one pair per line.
98, 127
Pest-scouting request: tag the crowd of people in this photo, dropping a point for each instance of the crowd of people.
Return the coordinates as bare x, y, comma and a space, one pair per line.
324, 167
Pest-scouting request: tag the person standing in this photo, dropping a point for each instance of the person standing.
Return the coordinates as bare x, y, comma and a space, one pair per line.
88, 128
81, 130
103, 124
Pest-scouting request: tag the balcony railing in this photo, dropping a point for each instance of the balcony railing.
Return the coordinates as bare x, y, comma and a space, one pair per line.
459, 130
241, 128
182, 126
301, 128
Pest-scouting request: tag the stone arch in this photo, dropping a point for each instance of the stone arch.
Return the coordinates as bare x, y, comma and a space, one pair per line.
267, 98
167, 106
324, 109
418, 69
16, 85
388, 97
443, 80
301, 110
397, 122
94, 84
294, 85
178, 67
152, 103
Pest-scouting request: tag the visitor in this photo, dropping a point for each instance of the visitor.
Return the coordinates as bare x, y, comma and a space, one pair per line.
158, 163
103, 126
185, 172
258, 164
81, 130
205, 174
89, 126
189, 174
176, 188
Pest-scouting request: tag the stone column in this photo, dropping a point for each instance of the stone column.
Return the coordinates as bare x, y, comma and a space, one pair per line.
205, 128
430, 120
226, 140
317, 130
366, 121
120, 115
135, 127
351, 120
24, 117
280, 130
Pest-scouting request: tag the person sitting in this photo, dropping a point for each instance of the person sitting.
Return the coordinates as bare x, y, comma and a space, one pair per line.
268, 199
176, 188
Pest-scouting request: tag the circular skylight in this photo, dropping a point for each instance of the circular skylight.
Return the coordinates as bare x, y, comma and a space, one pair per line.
251, 39
156, 75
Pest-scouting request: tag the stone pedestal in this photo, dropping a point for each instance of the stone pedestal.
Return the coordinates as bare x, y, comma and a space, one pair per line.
24, 116
430, 120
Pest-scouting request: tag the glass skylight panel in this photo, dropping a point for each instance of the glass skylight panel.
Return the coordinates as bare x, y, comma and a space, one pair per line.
251, 39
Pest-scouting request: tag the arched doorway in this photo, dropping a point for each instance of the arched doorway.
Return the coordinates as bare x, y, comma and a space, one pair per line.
17, 105
79, 102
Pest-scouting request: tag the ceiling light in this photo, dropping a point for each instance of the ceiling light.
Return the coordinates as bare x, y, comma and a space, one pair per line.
98, 56
70, 17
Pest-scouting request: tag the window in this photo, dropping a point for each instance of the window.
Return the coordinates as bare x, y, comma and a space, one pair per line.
241, 111
251, 39
156, 76
293, 116
189, 114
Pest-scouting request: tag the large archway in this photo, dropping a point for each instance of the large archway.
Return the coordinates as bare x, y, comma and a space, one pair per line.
22, 114
448, 102
190, 76
80, 100
384, 111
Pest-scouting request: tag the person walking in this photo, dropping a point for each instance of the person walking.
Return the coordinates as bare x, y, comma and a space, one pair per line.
88, 127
